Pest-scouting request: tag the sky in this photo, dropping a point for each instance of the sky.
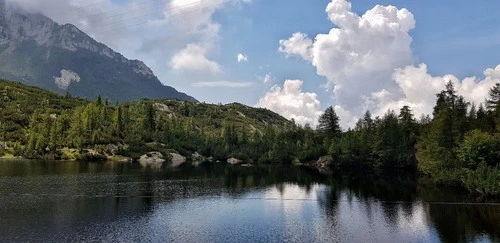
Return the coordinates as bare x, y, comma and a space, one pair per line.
297, 57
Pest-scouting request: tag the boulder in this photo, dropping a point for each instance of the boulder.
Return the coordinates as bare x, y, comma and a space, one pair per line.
198, 159
154, 159
234, 161
177, 159
324, 162
112, 148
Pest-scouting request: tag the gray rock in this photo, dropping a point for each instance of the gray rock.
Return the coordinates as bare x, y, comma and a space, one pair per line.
197, 159
153, 159
324, 162
177, 159
234, 161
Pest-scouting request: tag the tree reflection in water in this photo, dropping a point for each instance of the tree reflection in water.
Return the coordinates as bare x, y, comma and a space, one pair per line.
363, 204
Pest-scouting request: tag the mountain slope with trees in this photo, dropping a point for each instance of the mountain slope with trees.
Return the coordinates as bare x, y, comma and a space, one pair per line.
37, 124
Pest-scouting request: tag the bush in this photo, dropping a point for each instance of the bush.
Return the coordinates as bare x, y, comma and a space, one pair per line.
485, 179
479, 147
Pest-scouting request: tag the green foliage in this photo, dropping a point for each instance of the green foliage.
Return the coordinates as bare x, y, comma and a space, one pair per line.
460, 147
493, 101
446, 131
457, 147
328, 123
44, 123
386, 142
479, 147
485, 179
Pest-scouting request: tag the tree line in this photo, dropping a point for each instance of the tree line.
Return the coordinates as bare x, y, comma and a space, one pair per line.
459, 145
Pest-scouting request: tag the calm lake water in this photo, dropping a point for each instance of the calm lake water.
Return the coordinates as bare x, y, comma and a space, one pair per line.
81, 201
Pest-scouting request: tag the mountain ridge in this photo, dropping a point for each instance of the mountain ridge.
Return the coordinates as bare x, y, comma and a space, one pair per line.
36, 50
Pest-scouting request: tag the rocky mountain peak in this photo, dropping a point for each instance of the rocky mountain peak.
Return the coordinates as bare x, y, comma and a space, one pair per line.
38, 51
18, 25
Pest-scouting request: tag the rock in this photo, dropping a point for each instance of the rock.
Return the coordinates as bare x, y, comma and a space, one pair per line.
112, 148
177, 159
154, 159
234, 161
246, 165
161, 107
324, 162
119, 159
92, 155
197, 159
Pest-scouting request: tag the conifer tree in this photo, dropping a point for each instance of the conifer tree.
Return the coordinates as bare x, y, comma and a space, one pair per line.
328, 123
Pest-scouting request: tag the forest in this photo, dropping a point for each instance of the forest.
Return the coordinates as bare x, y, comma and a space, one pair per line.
458, 146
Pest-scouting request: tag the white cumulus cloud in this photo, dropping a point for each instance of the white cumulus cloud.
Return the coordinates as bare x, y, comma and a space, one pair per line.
299, 44
419, 89
192, 59
291, 102
242, 57
359, 54
368, 61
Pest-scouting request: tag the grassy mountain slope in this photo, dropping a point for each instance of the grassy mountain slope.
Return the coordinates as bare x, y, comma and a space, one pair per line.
43, 121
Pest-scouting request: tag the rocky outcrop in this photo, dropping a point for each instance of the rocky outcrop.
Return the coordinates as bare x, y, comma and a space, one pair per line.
153, 159
234, 161
177, 159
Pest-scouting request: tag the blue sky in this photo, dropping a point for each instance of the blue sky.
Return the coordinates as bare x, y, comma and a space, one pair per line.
196, 51
461, 38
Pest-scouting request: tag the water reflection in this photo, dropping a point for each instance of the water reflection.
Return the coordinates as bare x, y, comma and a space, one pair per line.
79, 201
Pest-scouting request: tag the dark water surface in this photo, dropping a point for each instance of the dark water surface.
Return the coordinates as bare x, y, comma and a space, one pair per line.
80, 201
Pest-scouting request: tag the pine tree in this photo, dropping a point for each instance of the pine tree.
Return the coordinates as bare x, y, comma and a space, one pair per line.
493, 105
446, 131
493, 101
98, 100
328, 123
409, 134
149, 120
118, 123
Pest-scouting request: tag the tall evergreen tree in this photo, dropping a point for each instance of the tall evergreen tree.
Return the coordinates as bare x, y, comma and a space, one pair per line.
493, 101
149, 120
493, 104
328, 123
118, 121
435, 148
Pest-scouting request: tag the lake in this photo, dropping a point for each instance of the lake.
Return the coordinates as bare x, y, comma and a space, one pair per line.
49, 201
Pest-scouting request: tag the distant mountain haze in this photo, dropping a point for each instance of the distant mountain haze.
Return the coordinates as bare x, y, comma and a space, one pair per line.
37, 51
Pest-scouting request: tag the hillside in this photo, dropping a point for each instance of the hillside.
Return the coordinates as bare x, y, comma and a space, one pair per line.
40, 122
37, 51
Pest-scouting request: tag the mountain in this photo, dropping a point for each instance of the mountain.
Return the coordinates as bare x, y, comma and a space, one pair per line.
37, 51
